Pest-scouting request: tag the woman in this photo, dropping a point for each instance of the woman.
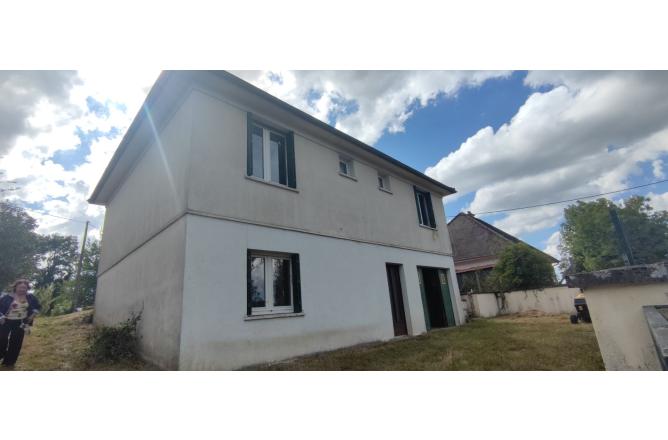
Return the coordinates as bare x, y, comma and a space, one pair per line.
17, 312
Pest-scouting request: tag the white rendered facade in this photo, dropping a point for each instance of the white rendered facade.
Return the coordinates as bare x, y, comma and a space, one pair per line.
183, 215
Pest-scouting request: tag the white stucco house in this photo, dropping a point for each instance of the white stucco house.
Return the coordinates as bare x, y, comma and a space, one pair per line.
247, 231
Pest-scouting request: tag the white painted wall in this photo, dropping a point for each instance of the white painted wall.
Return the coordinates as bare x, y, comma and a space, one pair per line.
153, 194
149, 280
345, 295
620, 325
326, 202
551, 301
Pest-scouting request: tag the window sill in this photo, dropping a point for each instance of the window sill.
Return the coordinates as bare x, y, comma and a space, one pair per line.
272, 316
266, 182
385, 190
347, 176
428, 227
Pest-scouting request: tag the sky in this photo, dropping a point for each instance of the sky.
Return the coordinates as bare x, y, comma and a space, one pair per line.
502, 139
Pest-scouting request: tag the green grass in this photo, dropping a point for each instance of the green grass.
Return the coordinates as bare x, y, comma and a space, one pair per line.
59, 343
504, 343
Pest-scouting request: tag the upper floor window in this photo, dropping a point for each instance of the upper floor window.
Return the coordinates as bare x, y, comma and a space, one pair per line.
424, 208
346, 166
270, 154
383, 182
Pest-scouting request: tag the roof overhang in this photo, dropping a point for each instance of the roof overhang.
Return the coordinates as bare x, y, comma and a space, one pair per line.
171, 86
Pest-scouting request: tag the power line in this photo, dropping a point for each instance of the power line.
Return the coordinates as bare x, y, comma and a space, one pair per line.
53, 215
571, 200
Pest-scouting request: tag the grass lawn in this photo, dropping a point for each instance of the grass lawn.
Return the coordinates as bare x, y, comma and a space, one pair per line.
503, 343
58, 343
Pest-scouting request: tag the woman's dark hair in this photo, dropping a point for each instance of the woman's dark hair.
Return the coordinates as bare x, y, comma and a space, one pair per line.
20, 281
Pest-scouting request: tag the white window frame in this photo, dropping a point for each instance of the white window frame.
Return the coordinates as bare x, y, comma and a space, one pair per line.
266, 154
269, 285
385, 178
350, 168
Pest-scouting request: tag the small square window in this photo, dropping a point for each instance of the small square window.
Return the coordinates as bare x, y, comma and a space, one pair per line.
346, 166
383, 182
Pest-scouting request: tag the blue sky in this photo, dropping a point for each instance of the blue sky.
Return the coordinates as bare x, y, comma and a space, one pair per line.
503, 139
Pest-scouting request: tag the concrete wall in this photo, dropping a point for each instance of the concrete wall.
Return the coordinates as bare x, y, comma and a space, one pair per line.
344, 286
551, 301
325, 203
153, 194
621, 329
148, 280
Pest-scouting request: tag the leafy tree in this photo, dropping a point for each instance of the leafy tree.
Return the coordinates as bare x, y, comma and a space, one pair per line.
88, 280
521, 267
589, 241
59, 256
18, 244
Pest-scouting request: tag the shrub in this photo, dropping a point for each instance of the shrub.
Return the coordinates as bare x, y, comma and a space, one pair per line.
521, 267
115, 343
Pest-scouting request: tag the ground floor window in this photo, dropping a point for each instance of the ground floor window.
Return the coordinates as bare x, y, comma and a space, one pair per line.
273, 283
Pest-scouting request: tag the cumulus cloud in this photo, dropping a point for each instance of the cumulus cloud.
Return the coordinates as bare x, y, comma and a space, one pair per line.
658, 201
588, 134
364, 104
552, 245
21, 92
60, 112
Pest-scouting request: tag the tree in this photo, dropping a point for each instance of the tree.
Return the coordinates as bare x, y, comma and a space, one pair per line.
521, 267
88, 281
18, 244
589, 241
59, 258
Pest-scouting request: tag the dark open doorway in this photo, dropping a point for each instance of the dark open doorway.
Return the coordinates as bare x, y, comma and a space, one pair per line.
396, 299
436, 297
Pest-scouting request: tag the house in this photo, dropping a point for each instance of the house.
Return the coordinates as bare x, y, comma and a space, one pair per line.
476, 247
246, 231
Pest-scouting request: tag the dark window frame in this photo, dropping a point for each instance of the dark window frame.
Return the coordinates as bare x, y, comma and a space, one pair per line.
286, 157
425, 210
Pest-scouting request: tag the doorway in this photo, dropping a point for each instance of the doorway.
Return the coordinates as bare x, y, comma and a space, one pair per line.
396, 299
436, 297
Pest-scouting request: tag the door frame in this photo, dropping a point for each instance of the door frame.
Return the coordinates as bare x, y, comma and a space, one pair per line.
403, 298
444, 276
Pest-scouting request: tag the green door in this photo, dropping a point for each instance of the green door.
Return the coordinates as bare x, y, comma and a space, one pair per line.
447, 299
427, 321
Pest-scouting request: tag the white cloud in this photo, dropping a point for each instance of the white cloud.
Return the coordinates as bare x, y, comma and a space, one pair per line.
50, 125
657, 169
530, 220
552, 245
383, 100
587, 135
659, 201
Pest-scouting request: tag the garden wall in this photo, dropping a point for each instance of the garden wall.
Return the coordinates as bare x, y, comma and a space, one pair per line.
551, 301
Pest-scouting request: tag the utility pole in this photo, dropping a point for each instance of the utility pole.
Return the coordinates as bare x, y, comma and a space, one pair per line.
77, 289
627, 255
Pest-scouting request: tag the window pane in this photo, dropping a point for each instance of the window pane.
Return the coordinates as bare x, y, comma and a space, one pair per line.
423, 209
257, 282
381, 183
343, 167
281, 270
278, 163
256, 151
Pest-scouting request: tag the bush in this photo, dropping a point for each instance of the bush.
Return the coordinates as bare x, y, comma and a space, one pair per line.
521, 267
112, 344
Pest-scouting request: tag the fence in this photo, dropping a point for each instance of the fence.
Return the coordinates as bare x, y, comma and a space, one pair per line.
551, 301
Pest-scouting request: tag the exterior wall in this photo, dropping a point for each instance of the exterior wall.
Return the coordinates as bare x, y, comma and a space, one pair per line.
551, 301
345, 294
152, 195
325, 203
149, 280
620, 325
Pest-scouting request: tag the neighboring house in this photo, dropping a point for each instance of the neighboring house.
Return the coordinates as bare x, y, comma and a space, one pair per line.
476, 246
247, 231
